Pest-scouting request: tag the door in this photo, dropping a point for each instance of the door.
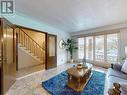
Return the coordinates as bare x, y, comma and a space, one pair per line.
51, 51
8, 47
0, 63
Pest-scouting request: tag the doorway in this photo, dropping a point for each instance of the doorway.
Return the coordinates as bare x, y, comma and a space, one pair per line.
31, 50
9, 40
51, 51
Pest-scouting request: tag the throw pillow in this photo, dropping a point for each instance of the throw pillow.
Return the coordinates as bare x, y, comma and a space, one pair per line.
124, 67
123, 88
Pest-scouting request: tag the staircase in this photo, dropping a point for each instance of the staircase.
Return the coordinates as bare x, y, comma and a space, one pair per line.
30, 46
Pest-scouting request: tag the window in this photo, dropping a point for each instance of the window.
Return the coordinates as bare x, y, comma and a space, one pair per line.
81, 48
99, 48
89, 48
112, 47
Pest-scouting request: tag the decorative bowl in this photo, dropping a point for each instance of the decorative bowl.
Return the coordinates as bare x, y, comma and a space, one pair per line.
79, 66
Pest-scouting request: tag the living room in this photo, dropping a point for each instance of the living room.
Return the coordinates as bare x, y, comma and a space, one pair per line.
85, 47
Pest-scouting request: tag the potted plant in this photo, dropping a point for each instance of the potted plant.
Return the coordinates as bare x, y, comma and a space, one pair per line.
71, 47
122, 59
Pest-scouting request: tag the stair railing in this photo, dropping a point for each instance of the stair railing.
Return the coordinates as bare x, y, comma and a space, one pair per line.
30, 44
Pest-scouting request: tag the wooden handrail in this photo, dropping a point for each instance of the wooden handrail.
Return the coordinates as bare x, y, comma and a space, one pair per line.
31, 44
31, 38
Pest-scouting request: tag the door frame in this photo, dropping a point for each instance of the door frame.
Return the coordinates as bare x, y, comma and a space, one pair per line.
34, 30
1, 73
48, 51
46, 47
15, 45
16, 51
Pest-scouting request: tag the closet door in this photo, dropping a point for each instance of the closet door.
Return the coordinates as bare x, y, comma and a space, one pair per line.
8, 47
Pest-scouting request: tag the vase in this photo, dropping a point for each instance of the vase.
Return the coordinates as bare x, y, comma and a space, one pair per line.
71, 61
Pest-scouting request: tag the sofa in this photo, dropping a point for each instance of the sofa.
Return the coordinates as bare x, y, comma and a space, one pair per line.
114, 74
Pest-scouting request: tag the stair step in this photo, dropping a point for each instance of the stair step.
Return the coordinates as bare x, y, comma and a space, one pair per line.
30, 53
22, 46
19, 44
26, 49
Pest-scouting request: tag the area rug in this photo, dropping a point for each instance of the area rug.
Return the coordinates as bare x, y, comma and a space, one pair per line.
58, 85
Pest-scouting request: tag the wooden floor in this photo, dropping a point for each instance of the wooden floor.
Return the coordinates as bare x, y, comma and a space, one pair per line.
31, 84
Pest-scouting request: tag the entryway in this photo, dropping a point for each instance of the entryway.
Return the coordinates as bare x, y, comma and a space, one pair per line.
31, 50
12, 59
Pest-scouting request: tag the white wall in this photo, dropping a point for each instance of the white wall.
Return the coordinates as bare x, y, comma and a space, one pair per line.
99, 29
23, 20
25, 59
62, 56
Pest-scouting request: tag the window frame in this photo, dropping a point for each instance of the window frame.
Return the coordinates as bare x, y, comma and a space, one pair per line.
105, 46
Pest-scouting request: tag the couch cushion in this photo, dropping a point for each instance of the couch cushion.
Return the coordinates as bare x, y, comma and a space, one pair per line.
124, 67
117, 66
112, 72
123, 87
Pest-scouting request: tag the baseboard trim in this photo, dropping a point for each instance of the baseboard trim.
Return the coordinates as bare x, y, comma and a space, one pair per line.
29, 75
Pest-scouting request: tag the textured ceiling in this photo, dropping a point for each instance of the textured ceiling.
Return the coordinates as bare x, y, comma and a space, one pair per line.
75, 15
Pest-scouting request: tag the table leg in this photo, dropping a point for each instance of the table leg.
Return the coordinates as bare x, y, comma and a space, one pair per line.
78, 83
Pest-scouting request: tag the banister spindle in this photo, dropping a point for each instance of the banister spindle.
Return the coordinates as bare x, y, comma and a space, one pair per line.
26, 43
23, 40
31, 45
18, 32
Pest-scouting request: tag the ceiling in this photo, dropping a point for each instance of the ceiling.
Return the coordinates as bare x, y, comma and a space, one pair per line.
74, 15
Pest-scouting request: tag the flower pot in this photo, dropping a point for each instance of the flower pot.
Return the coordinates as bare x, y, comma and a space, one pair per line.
71, 60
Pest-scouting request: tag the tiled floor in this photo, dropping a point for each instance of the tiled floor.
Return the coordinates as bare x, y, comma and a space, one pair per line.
31, 85
29, 70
